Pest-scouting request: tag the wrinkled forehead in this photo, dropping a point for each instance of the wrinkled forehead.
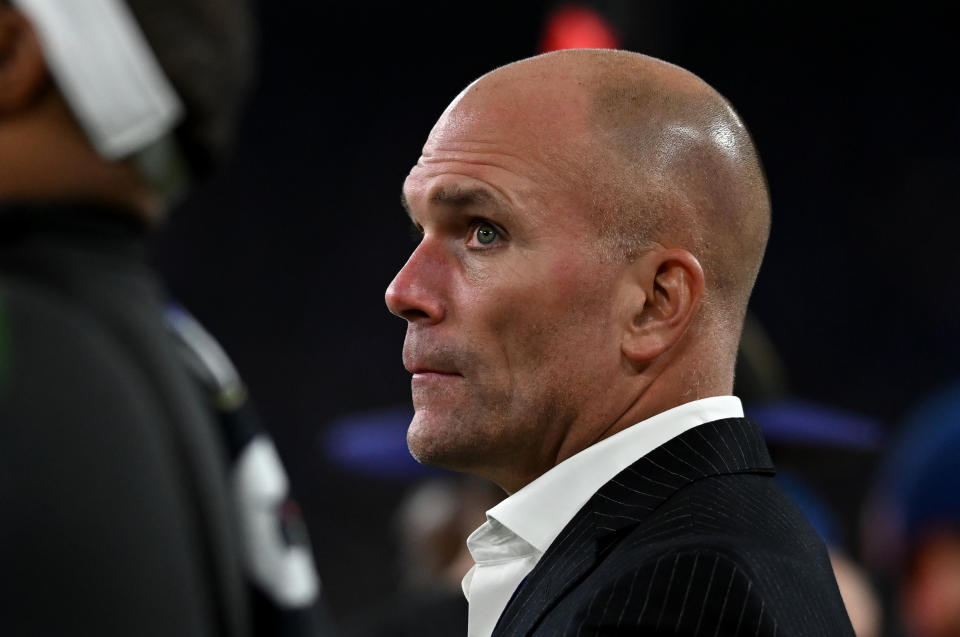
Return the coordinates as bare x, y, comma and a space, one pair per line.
515, 135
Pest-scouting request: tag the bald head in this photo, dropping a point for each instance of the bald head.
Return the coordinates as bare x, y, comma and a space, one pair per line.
579, 201
656, 154
677, 167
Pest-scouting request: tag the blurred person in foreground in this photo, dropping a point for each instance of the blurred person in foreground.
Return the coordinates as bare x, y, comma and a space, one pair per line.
138, 496
592, 225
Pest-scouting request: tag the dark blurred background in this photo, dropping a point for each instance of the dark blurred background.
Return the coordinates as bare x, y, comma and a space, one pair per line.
286, 256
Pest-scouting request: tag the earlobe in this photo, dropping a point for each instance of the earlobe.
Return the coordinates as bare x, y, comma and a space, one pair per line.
672, 284
23, 71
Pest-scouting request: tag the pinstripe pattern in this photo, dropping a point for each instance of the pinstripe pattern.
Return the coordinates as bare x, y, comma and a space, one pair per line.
694, 539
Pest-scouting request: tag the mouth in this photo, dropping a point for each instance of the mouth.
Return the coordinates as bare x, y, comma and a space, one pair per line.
426, 359
419, 371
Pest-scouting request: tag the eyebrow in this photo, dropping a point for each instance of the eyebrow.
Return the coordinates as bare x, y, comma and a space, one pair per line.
457, 197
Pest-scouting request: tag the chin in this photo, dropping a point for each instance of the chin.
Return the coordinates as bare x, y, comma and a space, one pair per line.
424, 445
434, 442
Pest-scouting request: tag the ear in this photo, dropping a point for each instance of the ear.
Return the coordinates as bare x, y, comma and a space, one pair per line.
23, 70
667, 287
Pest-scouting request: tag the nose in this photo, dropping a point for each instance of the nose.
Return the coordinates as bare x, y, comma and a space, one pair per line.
415, 294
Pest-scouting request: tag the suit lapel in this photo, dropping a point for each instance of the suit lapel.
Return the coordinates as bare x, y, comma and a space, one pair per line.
727, 446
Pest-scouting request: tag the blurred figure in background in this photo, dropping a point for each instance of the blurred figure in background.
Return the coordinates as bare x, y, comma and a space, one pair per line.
912, 522
138, 495
432, 524
856, 586
819, 451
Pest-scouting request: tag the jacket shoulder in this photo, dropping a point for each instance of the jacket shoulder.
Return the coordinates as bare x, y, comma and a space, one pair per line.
729, 552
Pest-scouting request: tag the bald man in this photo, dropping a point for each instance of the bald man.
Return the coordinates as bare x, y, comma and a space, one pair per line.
592, 225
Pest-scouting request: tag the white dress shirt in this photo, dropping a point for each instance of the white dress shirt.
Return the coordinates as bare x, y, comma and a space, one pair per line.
519, 529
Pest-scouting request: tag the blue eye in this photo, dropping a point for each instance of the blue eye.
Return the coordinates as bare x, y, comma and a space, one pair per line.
486, 234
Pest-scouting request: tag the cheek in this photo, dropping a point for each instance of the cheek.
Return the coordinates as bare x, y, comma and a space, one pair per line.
576, 295
555, 314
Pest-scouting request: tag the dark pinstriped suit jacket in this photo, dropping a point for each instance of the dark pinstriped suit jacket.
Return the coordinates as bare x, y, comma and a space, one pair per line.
695, 538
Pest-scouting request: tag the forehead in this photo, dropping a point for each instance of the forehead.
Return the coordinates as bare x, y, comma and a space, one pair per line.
516, 141
456, 192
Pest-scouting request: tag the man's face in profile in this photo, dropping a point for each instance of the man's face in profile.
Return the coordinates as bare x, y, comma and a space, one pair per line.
510, 320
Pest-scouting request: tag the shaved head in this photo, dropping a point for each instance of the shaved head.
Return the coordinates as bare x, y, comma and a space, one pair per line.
658, 155
581, 201
678, 167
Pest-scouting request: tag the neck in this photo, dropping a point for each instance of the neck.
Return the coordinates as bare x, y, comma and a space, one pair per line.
687, 374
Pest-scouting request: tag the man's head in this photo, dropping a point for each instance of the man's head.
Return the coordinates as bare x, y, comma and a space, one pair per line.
103, 99
593, 222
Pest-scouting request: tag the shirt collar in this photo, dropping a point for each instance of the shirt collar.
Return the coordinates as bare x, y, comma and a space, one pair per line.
539, 511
